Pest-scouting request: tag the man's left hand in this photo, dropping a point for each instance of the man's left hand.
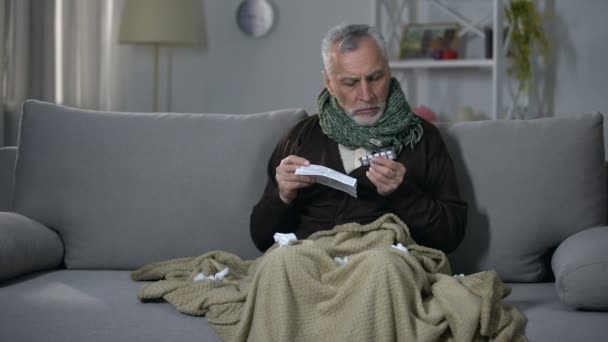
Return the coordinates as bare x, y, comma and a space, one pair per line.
386, 175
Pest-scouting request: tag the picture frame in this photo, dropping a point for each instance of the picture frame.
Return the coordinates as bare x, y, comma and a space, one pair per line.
429, 41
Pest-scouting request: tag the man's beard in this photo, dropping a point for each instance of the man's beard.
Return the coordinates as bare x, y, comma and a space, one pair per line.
353, 111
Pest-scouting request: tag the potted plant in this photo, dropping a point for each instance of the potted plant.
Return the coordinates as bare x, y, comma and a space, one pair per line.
527, 36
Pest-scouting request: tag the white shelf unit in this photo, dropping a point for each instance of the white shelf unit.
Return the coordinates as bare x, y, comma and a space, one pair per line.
388, 16
454, 63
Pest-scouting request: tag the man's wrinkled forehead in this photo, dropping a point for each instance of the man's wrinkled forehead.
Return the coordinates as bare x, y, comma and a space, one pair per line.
364, 62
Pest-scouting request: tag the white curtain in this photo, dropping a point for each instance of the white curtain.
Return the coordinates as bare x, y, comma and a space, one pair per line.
3, 36
62, 51
87, 57
14, 59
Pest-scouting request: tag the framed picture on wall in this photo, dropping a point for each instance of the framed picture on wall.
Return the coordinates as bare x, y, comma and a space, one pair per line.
429, 41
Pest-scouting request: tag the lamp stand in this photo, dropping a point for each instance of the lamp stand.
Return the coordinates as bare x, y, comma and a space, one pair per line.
156, 53
169, 95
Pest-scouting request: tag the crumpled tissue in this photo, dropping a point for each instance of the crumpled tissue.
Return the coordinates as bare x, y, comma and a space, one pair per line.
401, 247
285, 239
218, 276
341, 261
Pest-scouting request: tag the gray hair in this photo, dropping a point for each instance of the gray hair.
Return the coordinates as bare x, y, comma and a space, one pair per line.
347, 38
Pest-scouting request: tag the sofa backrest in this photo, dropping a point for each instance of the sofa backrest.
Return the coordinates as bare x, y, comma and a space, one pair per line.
529, 185
7, 172
127, 189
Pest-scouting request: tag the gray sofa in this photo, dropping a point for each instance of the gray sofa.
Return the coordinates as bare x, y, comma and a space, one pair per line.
88, 196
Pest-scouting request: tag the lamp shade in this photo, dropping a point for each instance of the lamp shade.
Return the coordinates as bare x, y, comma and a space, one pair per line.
162, 22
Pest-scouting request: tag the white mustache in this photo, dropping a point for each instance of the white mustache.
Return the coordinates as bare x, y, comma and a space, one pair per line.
379, 106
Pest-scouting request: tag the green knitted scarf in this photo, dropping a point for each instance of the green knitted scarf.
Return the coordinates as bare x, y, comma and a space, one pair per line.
396, 128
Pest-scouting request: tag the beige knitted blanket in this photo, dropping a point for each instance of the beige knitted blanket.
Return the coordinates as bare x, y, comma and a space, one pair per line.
301, 293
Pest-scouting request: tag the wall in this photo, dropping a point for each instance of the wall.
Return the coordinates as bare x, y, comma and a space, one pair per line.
581, 72
237, 74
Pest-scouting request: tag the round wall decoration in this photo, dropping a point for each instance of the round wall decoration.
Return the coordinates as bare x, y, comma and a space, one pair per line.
255, 17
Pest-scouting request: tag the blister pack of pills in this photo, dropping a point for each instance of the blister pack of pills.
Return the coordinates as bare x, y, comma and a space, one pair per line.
389, 154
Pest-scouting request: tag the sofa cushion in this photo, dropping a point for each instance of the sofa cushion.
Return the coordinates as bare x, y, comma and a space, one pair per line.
26, 246
7, 171
91, 306
126, 189
529, 185
580, 265
551, 320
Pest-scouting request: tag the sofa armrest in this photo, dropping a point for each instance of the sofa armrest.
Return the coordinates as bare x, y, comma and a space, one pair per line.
8, 156
580, 265
26, 246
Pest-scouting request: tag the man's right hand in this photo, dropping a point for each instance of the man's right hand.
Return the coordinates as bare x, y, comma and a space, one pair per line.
289, 183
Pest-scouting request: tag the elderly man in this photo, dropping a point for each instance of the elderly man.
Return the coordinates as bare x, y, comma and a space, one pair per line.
361, 110
366, 280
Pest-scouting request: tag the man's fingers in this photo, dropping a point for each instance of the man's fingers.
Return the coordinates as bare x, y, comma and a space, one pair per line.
288, 168
382, 184
290, 181
383, 171
386, 175
295, 185
388, 168
377, 178
382, 161
290, 164
295, 160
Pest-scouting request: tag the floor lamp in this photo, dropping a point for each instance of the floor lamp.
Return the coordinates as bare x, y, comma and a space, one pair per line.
162, 22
